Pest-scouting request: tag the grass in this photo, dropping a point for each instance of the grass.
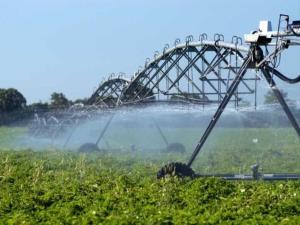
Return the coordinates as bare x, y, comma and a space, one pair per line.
8, 135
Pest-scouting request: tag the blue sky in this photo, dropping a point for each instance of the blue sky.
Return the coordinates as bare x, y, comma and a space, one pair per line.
69, 46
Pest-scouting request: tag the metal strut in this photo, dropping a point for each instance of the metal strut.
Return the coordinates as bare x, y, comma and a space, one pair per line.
160, 132
104, 129
221, 107
276, 91
70, 136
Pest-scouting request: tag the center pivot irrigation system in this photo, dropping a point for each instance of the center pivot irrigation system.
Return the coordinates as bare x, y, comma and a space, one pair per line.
206, 72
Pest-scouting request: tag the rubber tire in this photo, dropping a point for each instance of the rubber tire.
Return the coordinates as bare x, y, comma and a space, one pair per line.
88, 148
176, 169
176, 147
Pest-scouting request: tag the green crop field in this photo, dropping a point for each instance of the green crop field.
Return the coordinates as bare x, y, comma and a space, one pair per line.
56, 186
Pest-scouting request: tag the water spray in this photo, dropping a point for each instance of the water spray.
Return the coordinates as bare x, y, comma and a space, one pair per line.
170, 79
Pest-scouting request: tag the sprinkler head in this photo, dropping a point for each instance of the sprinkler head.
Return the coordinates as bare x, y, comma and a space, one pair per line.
255, 173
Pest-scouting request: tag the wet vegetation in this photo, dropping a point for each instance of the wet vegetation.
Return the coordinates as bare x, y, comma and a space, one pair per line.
53, 186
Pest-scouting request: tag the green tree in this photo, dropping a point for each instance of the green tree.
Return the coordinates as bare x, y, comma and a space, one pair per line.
59, 100
270, 98
11, 99
39, 106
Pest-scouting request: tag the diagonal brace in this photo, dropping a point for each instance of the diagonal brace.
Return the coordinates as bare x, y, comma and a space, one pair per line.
221, 108
281, 100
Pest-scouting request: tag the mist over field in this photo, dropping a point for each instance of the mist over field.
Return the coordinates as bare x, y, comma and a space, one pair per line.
242, 138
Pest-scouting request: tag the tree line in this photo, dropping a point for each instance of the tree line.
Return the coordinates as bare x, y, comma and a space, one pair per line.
14, 107
12, 100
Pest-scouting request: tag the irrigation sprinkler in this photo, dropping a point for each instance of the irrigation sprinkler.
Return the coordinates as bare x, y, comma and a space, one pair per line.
204, 72
170, 147
255, 59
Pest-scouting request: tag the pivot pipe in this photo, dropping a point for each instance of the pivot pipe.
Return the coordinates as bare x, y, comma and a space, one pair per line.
281, 76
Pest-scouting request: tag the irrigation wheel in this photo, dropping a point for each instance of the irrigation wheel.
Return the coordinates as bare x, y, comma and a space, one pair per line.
88, 148
176, 147
176, 169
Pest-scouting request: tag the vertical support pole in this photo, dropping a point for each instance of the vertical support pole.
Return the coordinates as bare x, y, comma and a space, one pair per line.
178, 73
157, 77
255, 92
281, 100
203, 84
192, 79
219, 82
167, 82
188, 74
237, 89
